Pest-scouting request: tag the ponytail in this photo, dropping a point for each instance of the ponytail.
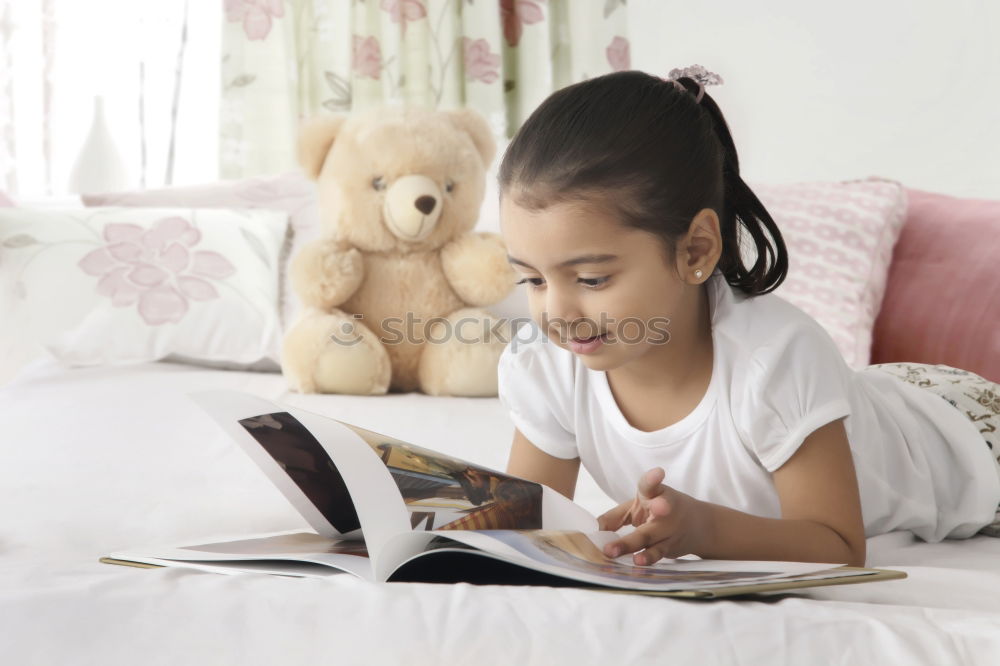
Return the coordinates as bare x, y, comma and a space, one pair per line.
741, 207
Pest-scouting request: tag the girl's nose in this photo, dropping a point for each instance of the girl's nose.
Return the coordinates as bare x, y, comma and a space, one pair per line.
561, 309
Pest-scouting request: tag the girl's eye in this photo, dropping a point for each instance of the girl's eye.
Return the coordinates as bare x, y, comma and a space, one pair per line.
378, 183
590, 283
449, 185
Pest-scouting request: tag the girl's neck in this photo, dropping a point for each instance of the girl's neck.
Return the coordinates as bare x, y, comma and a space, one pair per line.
655, 392
683, 364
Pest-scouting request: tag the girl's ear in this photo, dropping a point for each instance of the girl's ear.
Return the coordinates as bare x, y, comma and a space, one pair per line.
473, 124
316, 136
702, 245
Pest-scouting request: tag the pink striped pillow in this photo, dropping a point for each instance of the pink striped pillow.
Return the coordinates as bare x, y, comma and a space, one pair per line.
942, 304
839, 237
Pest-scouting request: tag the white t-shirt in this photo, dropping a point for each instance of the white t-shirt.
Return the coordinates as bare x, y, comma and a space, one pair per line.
777, 376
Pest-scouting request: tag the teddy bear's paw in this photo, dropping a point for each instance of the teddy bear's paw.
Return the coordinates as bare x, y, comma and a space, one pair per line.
477, 268
332, 353
461, 353
326, 273
342, 273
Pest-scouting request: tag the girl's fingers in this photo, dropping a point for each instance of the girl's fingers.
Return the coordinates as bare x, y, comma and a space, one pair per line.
638, 515
649, 483
614, 519
653, 553
658, 507
642, 537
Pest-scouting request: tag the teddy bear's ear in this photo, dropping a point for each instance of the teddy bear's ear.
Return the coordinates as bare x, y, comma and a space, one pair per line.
316, 135
473, 124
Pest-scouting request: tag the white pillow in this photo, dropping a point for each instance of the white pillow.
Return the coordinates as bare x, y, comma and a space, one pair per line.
126, 285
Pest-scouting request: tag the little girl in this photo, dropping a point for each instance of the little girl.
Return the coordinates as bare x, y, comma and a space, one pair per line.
722, 418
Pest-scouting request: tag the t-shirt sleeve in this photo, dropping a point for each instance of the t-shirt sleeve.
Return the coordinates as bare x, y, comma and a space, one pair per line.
794, 385
537, 390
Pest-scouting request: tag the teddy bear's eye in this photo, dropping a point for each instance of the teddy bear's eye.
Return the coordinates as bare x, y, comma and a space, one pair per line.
449, 185
378, 182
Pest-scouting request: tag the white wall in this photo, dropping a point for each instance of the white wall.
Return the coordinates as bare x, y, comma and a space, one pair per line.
837, 90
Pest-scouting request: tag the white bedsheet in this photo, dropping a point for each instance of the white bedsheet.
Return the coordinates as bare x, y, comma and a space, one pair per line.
99, 459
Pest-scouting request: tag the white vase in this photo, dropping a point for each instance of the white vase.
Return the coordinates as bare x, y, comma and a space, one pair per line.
99, 166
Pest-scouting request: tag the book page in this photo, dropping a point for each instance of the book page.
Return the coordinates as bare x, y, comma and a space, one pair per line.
294, 553
328, 473
446, 493
578, 556
561, 513
294, 462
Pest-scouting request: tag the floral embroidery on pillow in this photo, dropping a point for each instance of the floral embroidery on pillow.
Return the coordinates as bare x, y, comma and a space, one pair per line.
155, 268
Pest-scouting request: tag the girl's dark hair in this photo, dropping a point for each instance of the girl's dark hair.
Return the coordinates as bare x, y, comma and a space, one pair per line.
656, 156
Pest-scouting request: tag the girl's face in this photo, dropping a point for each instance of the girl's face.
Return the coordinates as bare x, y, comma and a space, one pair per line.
595, 287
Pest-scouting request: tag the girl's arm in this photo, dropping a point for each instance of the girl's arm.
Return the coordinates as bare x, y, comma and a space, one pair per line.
820, 507
527, 461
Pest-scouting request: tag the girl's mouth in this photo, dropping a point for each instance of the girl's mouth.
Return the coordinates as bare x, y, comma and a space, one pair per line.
587, 345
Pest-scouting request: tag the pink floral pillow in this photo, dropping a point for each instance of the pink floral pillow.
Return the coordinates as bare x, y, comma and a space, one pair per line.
159, 269
840, 237
291, 192
5, 201
125, 285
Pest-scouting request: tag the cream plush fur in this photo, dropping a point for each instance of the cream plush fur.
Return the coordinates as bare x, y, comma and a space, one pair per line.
399, 191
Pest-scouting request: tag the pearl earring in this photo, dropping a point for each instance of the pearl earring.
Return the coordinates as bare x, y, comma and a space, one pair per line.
697, 274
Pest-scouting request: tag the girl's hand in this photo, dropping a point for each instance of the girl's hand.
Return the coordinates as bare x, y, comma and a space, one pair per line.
669, 523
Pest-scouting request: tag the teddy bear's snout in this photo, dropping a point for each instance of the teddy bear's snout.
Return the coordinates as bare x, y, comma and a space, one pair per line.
411, 207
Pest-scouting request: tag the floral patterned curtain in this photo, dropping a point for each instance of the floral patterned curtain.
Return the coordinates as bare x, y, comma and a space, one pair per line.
287, 60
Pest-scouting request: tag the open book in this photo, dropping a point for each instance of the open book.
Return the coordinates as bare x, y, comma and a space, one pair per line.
386, 510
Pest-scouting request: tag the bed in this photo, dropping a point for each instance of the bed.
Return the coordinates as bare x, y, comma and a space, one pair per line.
107, 456
103, 458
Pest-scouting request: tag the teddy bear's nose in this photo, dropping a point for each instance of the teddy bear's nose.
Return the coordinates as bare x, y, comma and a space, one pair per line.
425, 204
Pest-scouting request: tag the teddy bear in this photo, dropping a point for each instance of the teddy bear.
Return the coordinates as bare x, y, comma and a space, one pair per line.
394, 287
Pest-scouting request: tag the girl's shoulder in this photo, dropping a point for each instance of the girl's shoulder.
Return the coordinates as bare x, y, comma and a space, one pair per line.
536, 382
769, 326
530, 353
788, 378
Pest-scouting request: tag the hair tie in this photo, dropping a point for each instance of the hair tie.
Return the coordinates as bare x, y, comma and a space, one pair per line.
699, 74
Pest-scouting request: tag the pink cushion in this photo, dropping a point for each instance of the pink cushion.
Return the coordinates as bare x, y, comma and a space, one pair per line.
942, 303
5, 201
292, 192
839, 237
